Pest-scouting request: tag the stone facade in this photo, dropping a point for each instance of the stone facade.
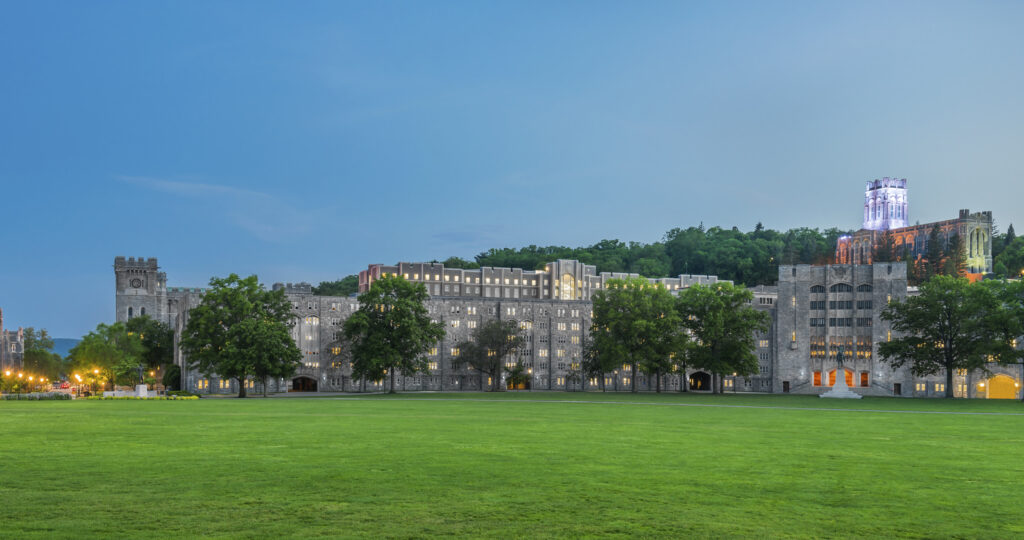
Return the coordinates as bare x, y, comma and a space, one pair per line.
974, 230
887, 207
12, 347
814, 310
823, 308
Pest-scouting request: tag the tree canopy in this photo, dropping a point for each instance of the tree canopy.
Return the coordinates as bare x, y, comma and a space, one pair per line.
486, 351
636, 322
235, 332
157, 339
111, 353
345, 286
722, 323
950, 325
391, 331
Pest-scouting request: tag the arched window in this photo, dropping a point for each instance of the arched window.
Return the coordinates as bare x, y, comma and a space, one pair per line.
864, 288
142, 311
817, 289
841, 287
129, 312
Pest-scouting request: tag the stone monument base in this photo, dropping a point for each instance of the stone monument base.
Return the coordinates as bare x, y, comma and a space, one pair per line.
841, 391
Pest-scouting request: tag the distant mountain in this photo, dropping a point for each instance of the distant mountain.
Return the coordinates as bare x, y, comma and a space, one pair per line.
63, 346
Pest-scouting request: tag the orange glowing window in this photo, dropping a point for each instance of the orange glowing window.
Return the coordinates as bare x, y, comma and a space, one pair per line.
817, 378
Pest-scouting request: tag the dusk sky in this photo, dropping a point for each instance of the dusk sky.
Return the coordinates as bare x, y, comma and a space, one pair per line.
302, 141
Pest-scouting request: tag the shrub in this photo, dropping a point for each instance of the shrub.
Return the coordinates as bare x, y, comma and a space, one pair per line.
154, 398
181, 393
37, 396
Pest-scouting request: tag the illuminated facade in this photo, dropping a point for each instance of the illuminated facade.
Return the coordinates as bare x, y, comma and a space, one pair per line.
885, 204
12, 347
886, 209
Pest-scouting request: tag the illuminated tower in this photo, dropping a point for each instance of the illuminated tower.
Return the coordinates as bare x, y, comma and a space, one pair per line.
885, 204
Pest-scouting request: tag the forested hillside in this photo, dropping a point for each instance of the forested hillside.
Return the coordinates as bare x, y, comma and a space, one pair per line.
749, 258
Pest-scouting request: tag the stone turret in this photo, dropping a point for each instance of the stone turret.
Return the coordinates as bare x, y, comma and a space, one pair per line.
141, 289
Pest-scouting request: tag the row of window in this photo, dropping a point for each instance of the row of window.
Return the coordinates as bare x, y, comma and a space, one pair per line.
841, 287
840, 322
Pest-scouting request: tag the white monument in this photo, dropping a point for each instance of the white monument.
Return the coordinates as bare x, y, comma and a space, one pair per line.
840, 390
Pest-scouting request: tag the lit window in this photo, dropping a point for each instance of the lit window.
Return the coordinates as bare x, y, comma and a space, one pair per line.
415, 276
455, 351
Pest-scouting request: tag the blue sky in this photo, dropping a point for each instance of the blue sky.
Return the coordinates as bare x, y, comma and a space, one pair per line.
303, 141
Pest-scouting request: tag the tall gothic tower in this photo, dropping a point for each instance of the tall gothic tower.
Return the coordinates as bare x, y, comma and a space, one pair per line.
885, 204
141, 289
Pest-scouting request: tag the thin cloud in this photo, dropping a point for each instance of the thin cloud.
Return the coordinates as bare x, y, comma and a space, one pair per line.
263, 215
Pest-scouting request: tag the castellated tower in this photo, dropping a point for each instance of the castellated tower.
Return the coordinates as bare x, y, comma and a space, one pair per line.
141, 289
885, 204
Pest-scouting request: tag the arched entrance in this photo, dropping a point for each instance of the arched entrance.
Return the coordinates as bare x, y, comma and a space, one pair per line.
700, 381
1002, 387
832, 377
303, 384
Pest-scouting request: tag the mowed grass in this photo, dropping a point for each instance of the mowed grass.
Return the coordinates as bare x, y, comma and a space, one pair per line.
513, 465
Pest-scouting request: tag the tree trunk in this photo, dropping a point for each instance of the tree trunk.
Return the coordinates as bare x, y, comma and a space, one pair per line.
392, 391
684, 383
949, 383
241, 387
264, 387
657, 382
632, 378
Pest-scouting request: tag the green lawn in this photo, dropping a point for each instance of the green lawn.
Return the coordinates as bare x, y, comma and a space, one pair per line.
512, 465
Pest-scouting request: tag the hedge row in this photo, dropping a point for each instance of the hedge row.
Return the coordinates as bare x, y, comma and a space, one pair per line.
37, 396
157, 398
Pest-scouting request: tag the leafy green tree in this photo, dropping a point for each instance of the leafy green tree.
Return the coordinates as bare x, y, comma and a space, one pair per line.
1012, 258
456, 262
636, 322
955, 258
267, 347
37, 339
885, 250
933, 253
1008, 320
722, 323
948, 326
172, 377
157, 338
343, 287
43, 363
219, 333
593, 364
110, 354
490, 344
391, 331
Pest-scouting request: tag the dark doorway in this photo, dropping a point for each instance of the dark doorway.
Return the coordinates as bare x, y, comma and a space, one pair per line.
700, 381
785, 387
303, 384
897, 389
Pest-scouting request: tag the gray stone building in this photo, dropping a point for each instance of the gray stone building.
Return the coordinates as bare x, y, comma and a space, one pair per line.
12, 347
824, 309
815, 310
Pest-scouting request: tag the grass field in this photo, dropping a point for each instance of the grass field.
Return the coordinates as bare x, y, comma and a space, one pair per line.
513, 465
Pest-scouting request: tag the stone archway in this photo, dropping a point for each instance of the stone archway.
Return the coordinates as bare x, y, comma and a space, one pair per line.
1001, 387
700, 381
303, 384
849, 377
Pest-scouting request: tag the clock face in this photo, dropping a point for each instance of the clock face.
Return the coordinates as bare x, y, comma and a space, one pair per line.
136, 283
